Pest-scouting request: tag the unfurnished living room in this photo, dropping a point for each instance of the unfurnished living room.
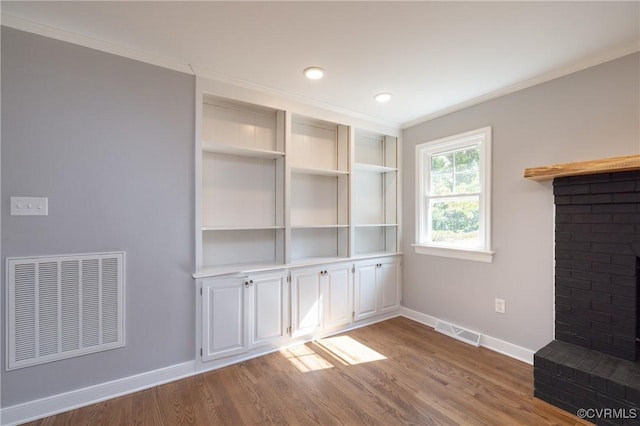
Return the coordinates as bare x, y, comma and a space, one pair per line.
320, 212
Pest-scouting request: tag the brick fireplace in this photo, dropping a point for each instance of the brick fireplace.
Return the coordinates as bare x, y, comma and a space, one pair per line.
597, 244
594, 361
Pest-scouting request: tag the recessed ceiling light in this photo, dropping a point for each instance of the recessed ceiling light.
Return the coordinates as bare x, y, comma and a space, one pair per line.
314, 73
382, 97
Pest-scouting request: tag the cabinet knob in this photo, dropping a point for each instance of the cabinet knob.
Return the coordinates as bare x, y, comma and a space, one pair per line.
246, 284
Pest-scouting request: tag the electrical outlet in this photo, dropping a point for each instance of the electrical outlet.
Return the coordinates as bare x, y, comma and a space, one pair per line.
501, 306
29, 206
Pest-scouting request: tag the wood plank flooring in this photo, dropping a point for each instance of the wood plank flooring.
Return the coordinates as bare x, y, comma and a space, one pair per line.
396, 372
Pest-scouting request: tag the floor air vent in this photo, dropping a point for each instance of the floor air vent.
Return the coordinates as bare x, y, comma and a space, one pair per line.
63, 306
459, 333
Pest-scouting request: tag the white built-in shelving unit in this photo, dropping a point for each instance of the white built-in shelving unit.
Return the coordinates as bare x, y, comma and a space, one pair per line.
297, 223
278, 188
319, 197
242, 181
375, 194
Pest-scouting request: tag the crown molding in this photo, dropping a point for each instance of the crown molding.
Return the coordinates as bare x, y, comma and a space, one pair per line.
282, 94
21, 24
17, 23
592, 61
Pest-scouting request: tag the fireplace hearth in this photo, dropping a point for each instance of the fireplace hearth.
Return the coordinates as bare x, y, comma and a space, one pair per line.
594, 361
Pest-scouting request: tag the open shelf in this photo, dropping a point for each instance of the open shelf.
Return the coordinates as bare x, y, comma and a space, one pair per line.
318, 156
318, 172
319, 242
239, 125
221, 248
242, 186
375, 239
241, 192
364, 167
374, 225
317, 226
374, 198
319, 200
221, 148
376, 151
318, 145
375, 192
278, 189
239, 228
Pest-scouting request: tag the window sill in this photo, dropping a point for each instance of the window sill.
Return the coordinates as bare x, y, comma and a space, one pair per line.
484, 256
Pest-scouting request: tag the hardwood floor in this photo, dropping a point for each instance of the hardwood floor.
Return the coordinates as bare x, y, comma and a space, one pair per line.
392, 373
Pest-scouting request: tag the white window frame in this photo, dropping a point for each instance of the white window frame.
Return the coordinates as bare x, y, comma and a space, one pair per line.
480, 138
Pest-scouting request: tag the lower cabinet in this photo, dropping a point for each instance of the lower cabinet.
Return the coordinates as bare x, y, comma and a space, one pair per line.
242, 313
321, 298
377, 287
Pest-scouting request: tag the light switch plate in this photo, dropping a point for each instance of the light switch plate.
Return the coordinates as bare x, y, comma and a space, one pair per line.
29, 206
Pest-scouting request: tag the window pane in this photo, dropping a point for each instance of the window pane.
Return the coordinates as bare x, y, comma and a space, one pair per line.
455, 222
441, 184
442, 163
467, 171
468, 159
442, 169
467, 182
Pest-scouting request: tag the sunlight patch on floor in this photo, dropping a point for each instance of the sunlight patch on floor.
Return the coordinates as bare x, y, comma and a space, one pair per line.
349, 350
305, 359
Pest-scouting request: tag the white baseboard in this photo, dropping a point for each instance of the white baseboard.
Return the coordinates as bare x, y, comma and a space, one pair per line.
419, 317
495, 344
51, 405
508, 349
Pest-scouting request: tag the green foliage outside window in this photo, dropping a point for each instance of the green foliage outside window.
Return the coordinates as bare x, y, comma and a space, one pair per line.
455, 219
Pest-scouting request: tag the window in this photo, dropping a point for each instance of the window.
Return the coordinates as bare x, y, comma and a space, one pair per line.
453, 190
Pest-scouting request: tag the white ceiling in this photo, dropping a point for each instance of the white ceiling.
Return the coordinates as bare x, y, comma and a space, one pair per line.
433, 56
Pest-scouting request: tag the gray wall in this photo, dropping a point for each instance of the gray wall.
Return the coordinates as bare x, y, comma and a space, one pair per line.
110, 142
583, 116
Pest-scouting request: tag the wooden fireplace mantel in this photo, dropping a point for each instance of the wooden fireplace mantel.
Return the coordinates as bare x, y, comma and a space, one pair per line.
605, 165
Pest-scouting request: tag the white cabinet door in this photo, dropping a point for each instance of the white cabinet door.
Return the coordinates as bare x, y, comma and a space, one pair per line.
336, 295
224, 328
388, 278
269, 317
365, 291
306, 301
377, 288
